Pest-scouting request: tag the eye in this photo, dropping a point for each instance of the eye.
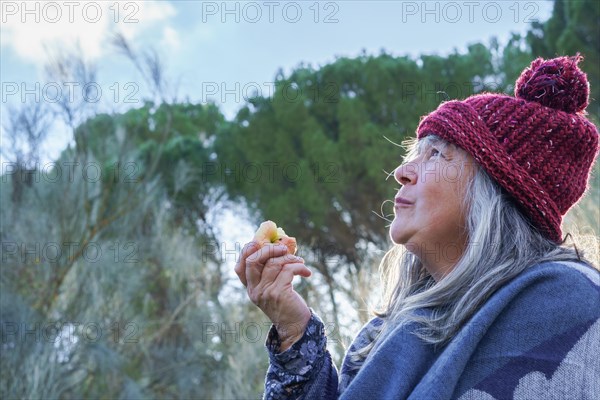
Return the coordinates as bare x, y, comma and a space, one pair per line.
435, 152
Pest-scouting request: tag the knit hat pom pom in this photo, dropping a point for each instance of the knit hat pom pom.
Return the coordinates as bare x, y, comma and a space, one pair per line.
557, 83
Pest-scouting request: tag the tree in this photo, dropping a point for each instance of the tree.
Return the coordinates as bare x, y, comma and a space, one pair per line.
105, 261
316, 155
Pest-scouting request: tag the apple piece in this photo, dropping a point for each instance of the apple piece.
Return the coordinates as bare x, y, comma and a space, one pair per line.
266, 233
269, 233
290, 242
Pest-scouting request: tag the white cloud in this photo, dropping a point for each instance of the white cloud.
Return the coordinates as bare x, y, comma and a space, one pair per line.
170, 38
32, 28
146, 13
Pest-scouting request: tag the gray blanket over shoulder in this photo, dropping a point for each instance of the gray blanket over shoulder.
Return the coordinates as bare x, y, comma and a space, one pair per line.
538, 337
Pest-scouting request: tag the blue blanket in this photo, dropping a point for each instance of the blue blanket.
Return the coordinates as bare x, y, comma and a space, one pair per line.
538, 337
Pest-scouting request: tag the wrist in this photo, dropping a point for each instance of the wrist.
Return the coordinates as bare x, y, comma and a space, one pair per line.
291, 333
287, 343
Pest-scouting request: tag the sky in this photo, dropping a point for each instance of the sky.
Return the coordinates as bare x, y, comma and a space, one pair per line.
224, 51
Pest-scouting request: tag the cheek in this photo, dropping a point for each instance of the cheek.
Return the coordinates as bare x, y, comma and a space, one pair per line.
446, 209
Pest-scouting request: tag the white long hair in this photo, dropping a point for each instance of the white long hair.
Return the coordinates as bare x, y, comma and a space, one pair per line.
501, 244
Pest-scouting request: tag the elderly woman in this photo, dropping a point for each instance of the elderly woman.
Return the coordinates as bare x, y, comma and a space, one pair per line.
483, 301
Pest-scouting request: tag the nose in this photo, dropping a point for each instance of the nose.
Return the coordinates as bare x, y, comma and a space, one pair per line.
406, 174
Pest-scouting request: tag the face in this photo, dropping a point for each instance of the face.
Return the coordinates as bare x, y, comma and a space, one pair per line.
429, 207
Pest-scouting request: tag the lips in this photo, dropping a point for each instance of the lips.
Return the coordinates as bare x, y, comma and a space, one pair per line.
401, 201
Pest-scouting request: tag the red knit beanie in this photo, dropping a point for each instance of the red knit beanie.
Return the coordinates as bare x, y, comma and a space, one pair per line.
538, 145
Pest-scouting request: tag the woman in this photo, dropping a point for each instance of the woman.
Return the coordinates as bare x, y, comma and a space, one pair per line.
483, 302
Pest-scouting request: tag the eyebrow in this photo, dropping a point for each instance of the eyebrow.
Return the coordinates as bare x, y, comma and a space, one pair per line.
431, 141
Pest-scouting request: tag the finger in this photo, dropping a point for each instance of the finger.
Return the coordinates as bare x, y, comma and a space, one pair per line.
274, 266
271, 290
256, 262
287, 273
240, 266
269, 251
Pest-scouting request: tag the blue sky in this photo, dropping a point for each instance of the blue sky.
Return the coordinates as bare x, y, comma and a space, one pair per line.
203, 47
220, 51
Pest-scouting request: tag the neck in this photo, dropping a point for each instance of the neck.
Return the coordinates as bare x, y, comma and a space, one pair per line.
439, 260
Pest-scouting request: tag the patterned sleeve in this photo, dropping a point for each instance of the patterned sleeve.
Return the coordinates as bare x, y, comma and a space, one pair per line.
291, 371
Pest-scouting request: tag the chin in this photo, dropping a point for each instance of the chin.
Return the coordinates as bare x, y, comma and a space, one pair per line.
411, 247
397, 233
398, 237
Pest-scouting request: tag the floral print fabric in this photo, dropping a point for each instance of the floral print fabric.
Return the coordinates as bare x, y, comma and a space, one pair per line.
290, 370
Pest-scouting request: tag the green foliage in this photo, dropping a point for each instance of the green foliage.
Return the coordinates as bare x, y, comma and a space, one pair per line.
130, 269
316, 156
331, 126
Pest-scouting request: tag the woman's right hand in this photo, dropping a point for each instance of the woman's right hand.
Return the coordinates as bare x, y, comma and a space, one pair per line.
267, 273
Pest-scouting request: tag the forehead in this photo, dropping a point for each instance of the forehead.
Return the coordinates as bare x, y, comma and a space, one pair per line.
417, 146
432, 140
414, 147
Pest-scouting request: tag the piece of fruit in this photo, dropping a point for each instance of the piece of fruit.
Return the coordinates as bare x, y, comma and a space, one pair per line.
269, 233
